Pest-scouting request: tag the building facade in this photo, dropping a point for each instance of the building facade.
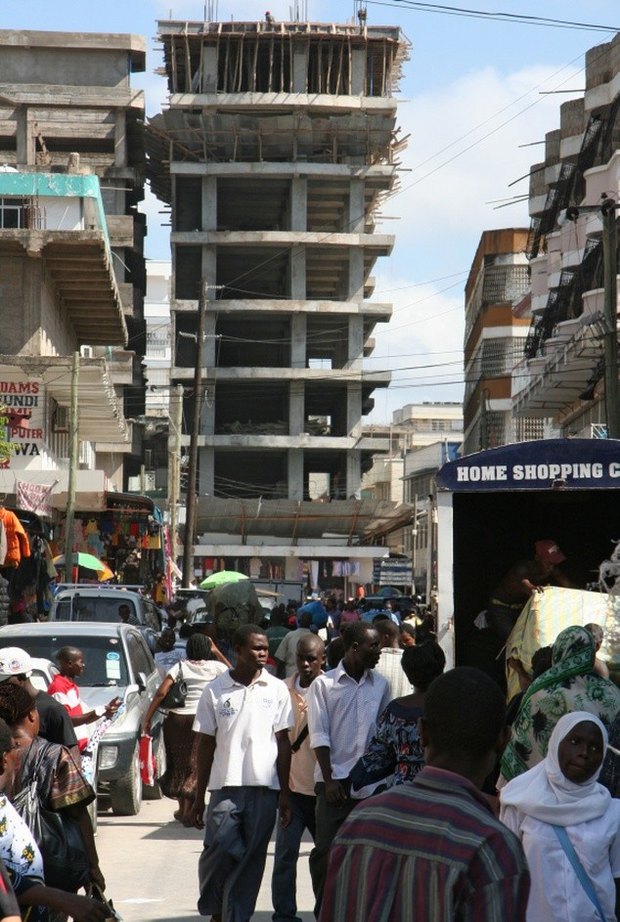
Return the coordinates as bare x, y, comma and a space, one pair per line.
561, 374
67, 107
497, 321
276, 151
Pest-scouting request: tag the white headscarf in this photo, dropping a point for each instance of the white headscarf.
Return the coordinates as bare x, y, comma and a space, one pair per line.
546, 794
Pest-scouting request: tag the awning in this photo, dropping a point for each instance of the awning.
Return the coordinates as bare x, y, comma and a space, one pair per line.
100, 412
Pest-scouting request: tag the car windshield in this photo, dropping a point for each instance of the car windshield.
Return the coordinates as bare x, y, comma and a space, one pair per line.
85, 608
104, 657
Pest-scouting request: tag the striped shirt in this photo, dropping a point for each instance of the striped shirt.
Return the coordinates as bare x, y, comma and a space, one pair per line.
68, 694
389, 666
428, 851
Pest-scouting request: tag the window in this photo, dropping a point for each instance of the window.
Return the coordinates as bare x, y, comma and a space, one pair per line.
12, 213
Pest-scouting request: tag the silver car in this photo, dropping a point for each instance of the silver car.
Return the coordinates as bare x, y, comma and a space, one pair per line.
118, 663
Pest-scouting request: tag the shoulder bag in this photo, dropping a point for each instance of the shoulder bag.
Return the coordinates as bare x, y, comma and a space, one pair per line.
65, 861
580, 871
177, 693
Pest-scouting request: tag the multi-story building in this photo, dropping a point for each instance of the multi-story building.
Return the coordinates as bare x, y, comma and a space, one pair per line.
158, 356
276, 151
413, 427
58, 295
495, 333
66, 104
561, 375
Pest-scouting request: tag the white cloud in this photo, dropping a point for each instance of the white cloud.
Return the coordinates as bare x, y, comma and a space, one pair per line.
443, 211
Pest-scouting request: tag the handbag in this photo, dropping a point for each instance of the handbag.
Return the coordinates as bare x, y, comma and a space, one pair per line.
65, 861
177, 693
580, 871
147, 760
95, 892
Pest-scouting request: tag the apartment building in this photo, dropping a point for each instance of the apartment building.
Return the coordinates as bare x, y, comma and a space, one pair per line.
67, 107
561, 374
497, 320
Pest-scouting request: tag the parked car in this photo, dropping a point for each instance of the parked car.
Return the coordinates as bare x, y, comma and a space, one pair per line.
101, 603
43, 671
118, 663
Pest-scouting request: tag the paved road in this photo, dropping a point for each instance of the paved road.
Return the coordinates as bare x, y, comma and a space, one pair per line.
150, 863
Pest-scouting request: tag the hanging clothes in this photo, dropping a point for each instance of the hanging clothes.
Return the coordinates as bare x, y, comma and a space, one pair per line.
17, 544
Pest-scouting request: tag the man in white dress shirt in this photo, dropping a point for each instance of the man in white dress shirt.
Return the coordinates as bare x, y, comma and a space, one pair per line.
343, 706
243, 757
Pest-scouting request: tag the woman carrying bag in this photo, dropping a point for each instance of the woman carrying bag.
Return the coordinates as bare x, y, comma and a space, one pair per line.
186, 679
50, 793
569, 826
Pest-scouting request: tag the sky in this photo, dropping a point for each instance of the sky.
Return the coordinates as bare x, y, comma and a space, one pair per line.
476, 99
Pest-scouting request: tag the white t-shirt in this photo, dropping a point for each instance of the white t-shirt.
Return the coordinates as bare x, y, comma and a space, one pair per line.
196, 674
244, 720
556, 894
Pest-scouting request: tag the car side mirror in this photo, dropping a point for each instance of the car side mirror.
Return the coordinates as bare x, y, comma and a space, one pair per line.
133, 689
141, 679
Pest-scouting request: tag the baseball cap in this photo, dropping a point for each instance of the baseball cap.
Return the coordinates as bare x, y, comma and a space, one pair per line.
549, 551
14, 661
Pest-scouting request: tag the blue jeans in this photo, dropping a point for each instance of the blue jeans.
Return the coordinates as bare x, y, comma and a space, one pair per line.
284, 878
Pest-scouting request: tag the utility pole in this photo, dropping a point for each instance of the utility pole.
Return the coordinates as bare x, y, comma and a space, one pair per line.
174, 466
610, 269
190, 521
73, 466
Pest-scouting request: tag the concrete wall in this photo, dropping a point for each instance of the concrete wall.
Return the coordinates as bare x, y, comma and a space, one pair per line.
54, 66
38, 326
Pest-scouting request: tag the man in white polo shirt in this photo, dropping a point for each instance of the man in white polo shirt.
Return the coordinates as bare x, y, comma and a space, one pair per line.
244, 756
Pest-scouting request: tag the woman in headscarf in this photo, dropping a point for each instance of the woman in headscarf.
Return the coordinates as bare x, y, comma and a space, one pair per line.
569, 826
570, 685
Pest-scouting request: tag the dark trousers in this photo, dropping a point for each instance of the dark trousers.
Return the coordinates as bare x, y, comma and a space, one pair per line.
329, 819
288, 840
238, 827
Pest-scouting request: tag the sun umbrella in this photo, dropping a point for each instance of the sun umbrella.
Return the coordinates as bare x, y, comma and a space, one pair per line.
221, 577
86, 562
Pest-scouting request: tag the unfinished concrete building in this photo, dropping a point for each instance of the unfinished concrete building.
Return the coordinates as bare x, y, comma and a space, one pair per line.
67, 106
276, 152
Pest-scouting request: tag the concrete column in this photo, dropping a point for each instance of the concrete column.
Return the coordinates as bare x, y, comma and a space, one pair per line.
207, 414
300, 70
298, 272
295, 473
209, 69
209, 270
354, 409
296, 408
209, 347
298, 341
206, 477
25, 153
358, 71
354, 474
120, 138
209, 203
356, 274
357, 206
299, 204
356, 341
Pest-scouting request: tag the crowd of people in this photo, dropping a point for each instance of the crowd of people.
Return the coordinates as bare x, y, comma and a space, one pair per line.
425, 796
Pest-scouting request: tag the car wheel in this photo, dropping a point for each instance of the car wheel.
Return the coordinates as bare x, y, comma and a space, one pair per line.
126, 792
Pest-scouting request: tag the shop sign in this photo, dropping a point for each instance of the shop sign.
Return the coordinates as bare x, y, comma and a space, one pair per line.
21, 419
